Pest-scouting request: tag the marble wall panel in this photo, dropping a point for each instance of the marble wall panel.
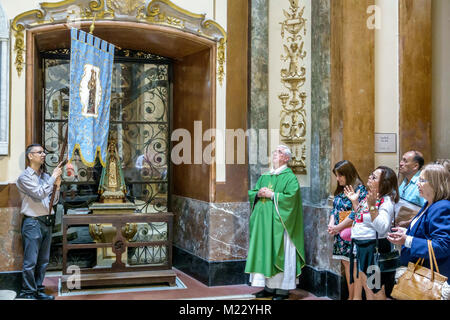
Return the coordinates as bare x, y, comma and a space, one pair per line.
211, 231
191, 225
318, 243
228, 231
11, 252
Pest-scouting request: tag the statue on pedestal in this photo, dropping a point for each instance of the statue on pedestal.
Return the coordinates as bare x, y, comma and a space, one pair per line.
112, 190
112, 186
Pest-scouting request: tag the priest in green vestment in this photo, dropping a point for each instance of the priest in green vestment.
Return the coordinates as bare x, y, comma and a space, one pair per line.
276, 253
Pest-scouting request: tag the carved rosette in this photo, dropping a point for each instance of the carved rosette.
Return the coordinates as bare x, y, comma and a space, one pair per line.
293, 77
159, 12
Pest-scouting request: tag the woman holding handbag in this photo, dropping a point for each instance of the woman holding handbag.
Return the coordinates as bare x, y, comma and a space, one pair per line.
342, 216
373, 220
431, 223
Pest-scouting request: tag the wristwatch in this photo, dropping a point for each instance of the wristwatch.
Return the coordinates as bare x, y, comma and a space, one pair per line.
373, 208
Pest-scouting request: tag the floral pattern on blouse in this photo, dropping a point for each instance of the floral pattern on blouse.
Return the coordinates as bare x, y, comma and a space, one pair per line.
342, 248
363, 209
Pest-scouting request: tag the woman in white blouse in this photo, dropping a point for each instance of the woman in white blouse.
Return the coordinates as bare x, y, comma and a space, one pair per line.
374, 218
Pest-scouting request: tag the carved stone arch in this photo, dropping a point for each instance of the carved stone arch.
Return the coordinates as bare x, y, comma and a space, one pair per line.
152, 12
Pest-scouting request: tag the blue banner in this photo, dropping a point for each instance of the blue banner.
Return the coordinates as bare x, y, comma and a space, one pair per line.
91, 63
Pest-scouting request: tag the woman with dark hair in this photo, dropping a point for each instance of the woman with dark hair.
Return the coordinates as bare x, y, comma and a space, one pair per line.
374, 218
346, 174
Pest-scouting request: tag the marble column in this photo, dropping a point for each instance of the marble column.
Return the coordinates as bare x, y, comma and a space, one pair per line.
259, 88
322, 275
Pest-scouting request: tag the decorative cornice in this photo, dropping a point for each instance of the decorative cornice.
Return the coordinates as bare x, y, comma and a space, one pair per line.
158, 12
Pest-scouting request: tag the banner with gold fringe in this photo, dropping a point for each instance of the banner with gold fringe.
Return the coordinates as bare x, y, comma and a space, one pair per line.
91, 63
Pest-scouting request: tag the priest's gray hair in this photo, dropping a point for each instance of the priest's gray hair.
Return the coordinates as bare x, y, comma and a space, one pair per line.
286, 151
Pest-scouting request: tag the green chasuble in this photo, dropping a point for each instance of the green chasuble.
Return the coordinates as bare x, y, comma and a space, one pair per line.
269, 220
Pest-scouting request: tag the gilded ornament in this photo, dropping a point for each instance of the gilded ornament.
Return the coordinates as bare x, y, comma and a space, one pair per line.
125, 6
293, 77
19, 48
221, 61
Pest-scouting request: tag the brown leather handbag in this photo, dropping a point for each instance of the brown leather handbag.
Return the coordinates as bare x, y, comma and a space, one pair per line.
420, 283
343, 215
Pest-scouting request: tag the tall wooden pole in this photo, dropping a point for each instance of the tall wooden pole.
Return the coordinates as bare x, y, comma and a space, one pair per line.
61, 163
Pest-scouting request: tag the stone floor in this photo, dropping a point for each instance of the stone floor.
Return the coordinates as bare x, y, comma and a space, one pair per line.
192, 289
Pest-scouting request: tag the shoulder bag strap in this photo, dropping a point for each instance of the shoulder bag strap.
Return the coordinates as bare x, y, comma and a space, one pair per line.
432, 256
376, 242
430, 250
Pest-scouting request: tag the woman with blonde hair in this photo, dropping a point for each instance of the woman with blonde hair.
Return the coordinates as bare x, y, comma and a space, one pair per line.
431, 223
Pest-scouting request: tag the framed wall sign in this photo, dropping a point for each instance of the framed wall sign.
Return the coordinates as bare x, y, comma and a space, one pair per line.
385, 142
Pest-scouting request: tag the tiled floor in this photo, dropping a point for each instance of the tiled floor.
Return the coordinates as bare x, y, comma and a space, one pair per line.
194, 290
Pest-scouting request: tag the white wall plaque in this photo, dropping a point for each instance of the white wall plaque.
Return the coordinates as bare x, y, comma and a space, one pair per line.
385, 142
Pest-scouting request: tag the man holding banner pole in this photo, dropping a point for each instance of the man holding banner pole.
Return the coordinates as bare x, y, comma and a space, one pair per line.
36, 188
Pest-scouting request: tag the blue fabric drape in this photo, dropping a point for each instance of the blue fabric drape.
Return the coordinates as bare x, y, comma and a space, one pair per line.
91, 63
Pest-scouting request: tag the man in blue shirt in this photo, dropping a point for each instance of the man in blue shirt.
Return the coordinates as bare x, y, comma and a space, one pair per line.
410, 166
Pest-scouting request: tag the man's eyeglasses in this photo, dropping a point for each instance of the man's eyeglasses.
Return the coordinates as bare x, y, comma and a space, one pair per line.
38, 152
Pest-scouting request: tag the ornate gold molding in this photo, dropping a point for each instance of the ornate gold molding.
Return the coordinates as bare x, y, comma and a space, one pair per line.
158, 12
293, 77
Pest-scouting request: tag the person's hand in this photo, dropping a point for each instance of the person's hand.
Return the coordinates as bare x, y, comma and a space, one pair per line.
261, 192
58, 182
265, 193
334, 230
372, 196
330, 229
351, 194
331, 224
57, 172
398, 236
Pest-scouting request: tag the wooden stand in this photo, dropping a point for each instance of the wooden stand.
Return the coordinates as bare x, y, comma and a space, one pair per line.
119, 273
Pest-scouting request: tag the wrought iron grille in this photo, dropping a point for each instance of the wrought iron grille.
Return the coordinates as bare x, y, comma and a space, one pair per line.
139, 121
